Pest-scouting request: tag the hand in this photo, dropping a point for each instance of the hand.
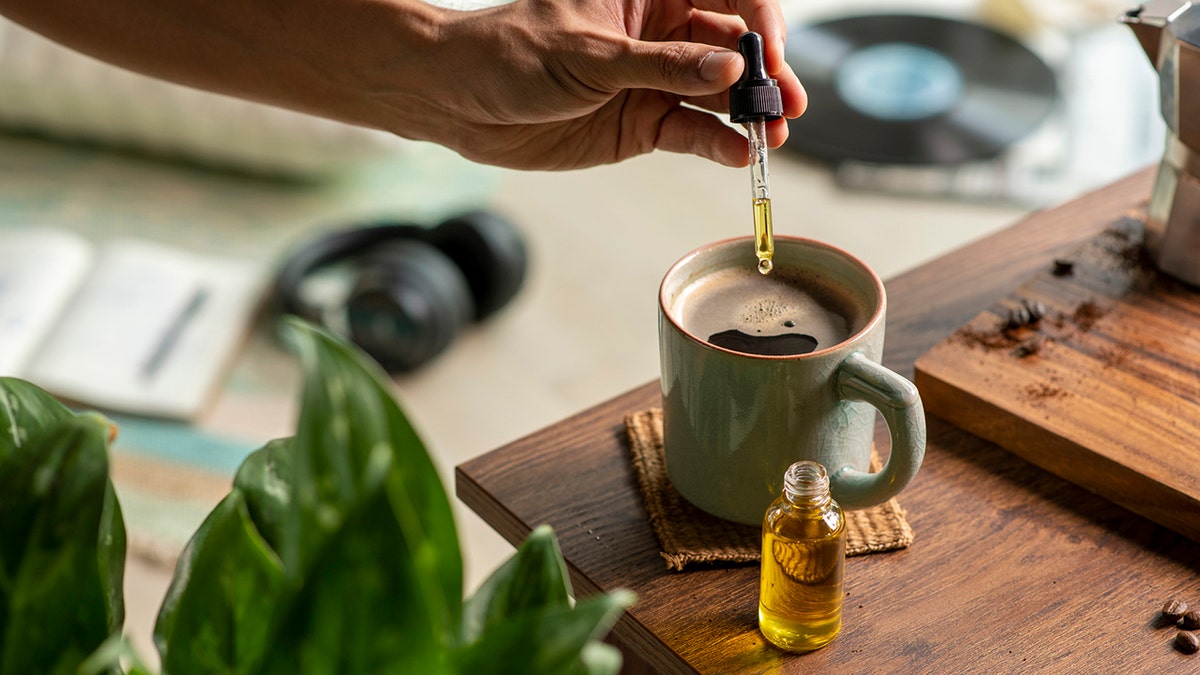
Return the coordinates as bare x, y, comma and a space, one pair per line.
559, 84
536, 84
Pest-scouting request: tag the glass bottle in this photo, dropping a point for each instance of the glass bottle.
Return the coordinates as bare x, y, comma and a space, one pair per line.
803, 562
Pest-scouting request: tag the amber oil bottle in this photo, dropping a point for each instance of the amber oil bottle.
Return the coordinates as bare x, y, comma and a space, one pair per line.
803, 562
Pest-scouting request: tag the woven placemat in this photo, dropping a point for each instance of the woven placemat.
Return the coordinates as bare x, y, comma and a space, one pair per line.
691, 536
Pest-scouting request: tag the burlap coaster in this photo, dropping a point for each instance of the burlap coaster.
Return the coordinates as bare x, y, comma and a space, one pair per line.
689, 535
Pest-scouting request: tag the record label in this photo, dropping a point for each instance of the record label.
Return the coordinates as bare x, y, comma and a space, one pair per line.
899, 81
913, 89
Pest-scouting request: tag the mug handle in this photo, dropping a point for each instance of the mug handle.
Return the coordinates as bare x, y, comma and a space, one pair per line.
861, 379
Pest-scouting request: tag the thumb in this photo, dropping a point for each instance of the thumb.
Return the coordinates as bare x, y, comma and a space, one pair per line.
682, 68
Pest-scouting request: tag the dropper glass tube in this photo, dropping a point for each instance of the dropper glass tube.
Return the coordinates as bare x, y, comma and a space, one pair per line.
760, 193
755, 100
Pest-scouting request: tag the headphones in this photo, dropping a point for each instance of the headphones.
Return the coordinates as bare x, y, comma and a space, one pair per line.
414, 287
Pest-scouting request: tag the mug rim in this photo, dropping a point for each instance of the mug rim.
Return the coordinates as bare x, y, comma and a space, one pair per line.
858, 336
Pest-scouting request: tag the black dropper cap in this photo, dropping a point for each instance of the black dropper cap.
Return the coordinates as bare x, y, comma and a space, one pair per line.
755, 96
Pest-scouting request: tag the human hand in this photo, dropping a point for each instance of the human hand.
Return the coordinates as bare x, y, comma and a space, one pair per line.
560, 84
535, 84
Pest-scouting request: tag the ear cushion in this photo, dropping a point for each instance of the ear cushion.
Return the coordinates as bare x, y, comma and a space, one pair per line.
327, 249
490, 253
408, 305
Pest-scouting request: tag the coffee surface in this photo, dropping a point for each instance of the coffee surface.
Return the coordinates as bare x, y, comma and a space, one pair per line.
782, 313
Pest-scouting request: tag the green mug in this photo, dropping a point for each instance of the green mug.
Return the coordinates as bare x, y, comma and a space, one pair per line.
760, 371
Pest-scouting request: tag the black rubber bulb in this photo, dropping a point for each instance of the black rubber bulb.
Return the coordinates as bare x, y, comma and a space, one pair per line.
756, 95
750, 45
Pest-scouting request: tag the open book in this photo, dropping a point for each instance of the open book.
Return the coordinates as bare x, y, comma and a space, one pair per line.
129, 326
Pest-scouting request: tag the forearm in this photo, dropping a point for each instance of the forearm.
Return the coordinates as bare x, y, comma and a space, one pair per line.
317, 56
545, 84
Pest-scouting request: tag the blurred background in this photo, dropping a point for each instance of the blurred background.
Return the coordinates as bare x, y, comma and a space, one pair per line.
109, 154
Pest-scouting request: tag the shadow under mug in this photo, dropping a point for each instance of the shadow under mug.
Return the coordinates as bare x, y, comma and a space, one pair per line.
733, 422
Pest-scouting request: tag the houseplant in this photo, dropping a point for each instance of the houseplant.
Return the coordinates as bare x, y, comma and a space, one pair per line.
335, 551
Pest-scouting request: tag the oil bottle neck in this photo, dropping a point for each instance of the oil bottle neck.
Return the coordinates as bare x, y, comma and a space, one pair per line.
806, 485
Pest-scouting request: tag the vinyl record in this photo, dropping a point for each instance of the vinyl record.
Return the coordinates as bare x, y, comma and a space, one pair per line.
912, 89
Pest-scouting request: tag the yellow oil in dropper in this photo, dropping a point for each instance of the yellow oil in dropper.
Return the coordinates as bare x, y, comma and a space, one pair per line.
754, 100
760, 193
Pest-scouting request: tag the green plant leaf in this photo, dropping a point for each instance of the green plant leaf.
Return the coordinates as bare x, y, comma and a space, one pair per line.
368, 573
111, 547
27, 417
265, 481
222, 603
26, 413
535, 577
598, 658
360, 611
109, 657
351, 439
522, 619
547, 641
58, 603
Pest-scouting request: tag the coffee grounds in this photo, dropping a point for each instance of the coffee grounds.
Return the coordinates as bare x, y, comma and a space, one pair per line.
1114, 357
1087, 314
1043, 391
1023, 340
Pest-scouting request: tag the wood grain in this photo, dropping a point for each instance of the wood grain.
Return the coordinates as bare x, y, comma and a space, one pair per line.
1013, 569
1104, 390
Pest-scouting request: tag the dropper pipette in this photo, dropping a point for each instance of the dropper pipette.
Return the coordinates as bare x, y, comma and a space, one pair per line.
760, 192
753, 101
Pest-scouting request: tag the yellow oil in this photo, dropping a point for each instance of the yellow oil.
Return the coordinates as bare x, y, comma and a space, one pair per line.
764, 239
803, 572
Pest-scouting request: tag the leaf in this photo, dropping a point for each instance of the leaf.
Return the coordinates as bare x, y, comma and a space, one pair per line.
351, 439
534, 577
521, 619
111, 556
265, 481
26, 413
359, 612
598, 658
58, 600
547, 641
27, 416
109, 657
220, 608
353, 512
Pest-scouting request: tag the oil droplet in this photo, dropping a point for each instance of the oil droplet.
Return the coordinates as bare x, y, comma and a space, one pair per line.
765, 266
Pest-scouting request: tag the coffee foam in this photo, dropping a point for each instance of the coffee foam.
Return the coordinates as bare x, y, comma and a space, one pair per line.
785, 301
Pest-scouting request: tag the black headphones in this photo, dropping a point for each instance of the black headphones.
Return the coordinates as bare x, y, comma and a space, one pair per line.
415, 287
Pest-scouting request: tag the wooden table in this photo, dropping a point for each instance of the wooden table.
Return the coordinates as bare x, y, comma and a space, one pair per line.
1012, 570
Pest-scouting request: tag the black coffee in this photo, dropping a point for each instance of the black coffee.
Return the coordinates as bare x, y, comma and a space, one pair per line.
785, 344
780, 314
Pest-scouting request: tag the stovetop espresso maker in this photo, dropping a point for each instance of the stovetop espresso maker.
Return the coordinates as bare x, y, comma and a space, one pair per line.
1169, 33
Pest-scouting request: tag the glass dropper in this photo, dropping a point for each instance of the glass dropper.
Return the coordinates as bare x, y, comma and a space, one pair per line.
760, 193
755, 100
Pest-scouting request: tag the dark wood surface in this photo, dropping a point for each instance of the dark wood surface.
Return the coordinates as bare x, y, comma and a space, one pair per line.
1103, 389
1013, 569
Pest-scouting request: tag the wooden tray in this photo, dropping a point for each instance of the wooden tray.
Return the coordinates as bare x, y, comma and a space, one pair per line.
1102, 390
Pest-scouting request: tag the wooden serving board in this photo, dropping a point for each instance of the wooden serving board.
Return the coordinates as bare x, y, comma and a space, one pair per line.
1102, 390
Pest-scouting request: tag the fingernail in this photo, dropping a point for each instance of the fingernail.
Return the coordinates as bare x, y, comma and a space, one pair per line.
715, 63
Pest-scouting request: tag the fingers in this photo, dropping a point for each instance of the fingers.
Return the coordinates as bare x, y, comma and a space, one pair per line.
723, 31
697, 72
681, 68
699, 133
795, 99
777, 133
764, 17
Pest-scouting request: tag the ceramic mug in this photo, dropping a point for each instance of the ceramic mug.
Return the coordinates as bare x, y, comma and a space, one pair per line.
733, 420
